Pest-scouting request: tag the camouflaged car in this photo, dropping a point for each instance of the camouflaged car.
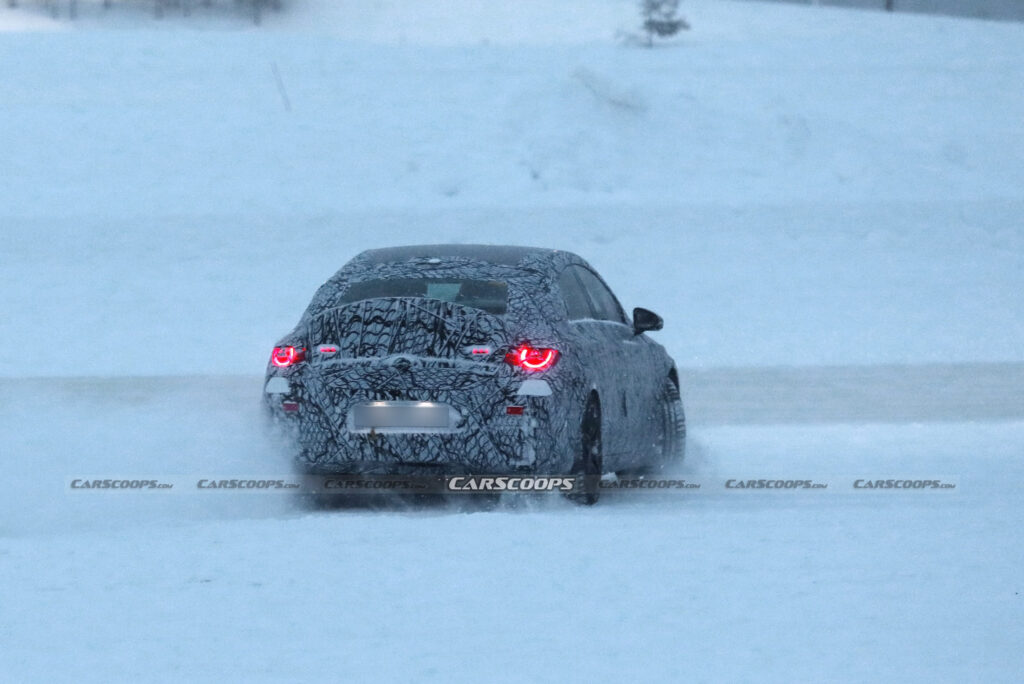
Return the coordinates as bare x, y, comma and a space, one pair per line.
473, 359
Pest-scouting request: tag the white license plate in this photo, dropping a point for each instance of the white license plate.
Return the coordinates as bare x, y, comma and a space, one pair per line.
400, 416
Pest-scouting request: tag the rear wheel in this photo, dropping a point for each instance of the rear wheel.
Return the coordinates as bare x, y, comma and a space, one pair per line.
589, 463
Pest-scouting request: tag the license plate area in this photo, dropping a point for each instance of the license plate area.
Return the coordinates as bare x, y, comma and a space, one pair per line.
402, 416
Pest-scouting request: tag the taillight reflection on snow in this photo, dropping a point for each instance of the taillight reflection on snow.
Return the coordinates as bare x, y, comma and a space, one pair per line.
282, 357
532, 358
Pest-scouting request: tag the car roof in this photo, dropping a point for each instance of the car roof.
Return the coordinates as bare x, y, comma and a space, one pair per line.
495, 254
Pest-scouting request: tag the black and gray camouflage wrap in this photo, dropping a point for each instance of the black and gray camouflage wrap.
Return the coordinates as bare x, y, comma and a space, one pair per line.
419, 349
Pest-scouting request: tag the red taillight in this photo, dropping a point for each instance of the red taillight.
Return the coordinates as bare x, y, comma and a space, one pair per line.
531, 358
282, 357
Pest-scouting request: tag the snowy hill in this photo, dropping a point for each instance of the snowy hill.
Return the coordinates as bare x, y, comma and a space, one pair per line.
861, 171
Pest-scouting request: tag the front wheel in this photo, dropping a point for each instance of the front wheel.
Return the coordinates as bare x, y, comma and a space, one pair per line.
672, 440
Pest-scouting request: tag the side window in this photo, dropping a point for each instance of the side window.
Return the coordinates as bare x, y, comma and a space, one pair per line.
577, 305
606, 307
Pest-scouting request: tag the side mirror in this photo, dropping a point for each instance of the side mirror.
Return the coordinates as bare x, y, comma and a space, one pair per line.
644, 320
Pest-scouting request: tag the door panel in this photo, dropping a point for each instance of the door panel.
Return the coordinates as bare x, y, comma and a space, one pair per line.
602, 342
633, 369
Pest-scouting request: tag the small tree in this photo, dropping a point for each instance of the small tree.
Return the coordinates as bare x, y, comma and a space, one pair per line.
661, 19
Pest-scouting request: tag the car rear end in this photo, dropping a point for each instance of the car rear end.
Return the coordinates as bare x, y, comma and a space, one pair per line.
448, 369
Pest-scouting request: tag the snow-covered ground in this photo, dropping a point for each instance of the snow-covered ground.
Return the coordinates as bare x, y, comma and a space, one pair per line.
825, 206
708, 585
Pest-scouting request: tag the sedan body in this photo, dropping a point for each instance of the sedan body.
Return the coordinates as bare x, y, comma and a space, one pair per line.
472, 359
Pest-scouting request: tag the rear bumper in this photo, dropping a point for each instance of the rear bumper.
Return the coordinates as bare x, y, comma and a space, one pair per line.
505, 444
510, 446
502, 423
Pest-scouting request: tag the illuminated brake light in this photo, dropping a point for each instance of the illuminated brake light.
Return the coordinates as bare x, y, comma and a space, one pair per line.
282, 357
328, 349
532, 359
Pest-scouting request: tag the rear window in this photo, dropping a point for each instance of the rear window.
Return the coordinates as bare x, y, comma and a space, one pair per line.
488, 295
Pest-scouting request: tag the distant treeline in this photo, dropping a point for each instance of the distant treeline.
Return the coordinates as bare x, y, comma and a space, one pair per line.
73, 8
980, 9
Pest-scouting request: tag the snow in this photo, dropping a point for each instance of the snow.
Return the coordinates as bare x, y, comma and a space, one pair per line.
824, 205
826, 188
711, 585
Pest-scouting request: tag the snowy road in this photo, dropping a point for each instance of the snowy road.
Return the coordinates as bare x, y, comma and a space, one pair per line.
854, 394
714, 396
182, 429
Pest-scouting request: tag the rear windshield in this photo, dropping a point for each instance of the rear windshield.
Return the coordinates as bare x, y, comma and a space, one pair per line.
489, 295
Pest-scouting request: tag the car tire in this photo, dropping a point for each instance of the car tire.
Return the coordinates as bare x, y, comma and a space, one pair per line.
589, 463
671, 447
